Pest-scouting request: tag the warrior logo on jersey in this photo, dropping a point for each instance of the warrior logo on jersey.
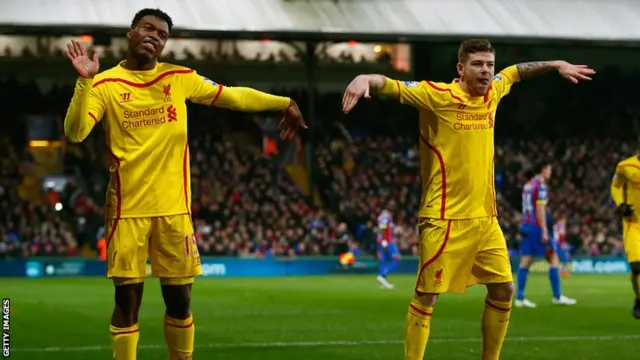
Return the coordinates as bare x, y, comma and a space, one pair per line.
497, 78
410, 84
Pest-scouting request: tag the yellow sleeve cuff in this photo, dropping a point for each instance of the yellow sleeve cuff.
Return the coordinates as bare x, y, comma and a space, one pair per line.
391, 88
84, 82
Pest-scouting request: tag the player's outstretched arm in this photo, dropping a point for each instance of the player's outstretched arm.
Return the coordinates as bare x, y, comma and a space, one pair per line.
417, 94
85, 109
573, 73
360, 87
251, 100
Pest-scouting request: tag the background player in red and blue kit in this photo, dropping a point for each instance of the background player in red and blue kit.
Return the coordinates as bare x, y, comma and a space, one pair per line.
535, 237
387, 251
560, 244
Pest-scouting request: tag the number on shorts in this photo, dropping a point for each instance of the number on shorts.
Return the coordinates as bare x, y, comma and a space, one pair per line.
191, 246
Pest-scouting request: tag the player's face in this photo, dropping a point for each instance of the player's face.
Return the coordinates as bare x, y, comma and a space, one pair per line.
478, 72
546, 172
148, 37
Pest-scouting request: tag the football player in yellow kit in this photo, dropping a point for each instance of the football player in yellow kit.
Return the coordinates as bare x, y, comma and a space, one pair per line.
141, 103
625, 191
461, 243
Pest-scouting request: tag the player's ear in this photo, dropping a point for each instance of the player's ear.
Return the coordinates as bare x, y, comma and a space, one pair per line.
129, 33
460, 68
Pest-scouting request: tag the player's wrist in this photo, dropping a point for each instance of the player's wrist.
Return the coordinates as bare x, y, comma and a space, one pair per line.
376, 82
85, 80
556, 64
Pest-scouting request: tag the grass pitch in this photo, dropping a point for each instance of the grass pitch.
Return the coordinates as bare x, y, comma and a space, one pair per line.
319, 318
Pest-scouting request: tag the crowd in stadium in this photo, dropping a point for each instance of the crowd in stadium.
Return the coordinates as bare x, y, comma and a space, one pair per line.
245, 204
217, 51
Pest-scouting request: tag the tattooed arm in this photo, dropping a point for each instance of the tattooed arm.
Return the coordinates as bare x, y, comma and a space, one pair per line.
571, 72
535, 68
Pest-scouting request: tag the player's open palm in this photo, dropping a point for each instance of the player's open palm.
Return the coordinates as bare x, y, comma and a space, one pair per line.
291, 122
575, 73
85, 66
358, 88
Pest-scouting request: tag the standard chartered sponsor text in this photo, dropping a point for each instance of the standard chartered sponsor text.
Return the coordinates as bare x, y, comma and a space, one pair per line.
472, 126
461, 116
143, 118
473, 122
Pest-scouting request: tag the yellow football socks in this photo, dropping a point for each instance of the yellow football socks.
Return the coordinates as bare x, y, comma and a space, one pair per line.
179, 336
125, 342
495, 321
416, 330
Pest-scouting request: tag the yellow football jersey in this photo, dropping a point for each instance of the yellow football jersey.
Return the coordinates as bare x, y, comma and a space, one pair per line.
625, 186
145, 123
457, 144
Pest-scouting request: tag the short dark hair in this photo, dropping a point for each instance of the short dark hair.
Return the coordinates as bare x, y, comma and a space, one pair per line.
540, 165
154, 12
472, 46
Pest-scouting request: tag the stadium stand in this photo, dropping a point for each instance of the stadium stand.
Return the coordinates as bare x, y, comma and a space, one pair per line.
238, 190
295, 255
360, 164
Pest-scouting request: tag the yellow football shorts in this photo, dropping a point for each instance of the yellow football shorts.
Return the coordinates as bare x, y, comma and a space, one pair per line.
631, 239
455, 254
168, 240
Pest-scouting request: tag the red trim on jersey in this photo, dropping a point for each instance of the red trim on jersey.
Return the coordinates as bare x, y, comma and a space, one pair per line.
444, 90
118, 199
497, 308
95, 121
486, 95
118, 184
111, 234
143, 85
220, 86
186, 245
114, 333
493, 188
185, 177
180, 326
419, 311
437, 254
443, 202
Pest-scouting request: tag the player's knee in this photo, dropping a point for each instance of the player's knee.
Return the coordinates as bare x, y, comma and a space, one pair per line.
635, 268
126, 296
177, 300
127, 299
501, 292
526, 261
553, 260
425, 299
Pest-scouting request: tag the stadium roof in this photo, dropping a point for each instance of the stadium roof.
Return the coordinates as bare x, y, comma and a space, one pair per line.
610, 20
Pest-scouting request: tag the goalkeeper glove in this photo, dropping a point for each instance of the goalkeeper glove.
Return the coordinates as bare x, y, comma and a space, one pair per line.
625, 210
